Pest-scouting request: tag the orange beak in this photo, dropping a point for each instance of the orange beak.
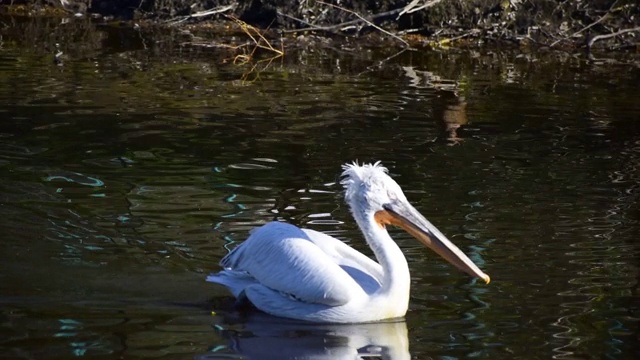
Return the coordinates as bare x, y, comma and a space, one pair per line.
402, 214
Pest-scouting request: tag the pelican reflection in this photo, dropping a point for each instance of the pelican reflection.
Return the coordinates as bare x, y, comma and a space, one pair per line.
262, 336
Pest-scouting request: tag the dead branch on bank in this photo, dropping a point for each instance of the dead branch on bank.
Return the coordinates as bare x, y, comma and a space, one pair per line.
259, 42
606, 36
333, 28
218, 10
415, 5
246, 53
446, 41
606, 16
329, 28
603, 17
347, 24
367, 22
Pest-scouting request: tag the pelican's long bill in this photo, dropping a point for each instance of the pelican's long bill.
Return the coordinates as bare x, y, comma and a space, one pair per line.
402, 214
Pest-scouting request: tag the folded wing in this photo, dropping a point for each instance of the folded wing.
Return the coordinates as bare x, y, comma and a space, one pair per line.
301, 265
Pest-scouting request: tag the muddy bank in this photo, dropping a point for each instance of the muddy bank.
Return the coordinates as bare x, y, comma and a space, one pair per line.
567, 25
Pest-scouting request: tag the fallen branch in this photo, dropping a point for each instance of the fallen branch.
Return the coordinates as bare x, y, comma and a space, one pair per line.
413, 6
381, 62
310, 26
254, 33
606, 36
217, 10
258, 39
213, 11
254, 69
446, 41
332, 28
586, 27
367, 22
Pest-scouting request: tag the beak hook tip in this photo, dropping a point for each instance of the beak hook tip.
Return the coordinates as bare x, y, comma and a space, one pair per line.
486, 279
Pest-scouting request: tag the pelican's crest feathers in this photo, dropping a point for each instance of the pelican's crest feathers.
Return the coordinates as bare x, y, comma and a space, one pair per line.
355, 176
354, 172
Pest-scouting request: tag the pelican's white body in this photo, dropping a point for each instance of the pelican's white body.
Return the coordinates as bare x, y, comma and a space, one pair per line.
318, 278
304, 274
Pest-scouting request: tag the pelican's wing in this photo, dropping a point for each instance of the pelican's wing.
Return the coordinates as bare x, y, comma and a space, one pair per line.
283, 258
361, 268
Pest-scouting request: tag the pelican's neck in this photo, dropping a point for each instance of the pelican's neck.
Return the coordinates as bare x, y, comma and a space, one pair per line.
396, 278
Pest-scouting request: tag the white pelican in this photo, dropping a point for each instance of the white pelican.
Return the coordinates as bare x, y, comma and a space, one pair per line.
307, 275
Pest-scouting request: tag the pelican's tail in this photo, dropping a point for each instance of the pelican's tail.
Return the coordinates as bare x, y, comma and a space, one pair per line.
235, 281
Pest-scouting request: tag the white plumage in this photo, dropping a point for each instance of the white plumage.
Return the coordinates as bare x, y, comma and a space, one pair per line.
304, 274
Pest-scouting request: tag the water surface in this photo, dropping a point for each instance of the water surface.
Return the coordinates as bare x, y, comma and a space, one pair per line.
129, 170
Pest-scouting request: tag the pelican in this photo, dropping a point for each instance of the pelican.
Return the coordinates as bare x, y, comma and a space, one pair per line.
304, 274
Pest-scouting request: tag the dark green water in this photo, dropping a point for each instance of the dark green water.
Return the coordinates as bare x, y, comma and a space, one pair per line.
127, 172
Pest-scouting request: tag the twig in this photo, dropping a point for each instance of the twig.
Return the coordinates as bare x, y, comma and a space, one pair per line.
408, 31
586, 27
413, 6
366, 21
213, 11
311, 26
331, 28
579, 31
450, 40
381, 62
254, 69
258, 40
606, 36
217, 10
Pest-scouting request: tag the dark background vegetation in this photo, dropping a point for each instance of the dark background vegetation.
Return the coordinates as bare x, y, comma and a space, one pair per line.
612, 24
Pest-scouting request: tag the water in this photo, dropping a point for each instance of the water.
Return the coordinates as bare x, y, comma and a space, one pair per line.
129, 170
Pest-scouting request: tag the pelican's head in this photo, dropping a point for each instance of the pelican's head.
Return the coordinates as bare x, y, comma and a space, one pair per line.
371, 192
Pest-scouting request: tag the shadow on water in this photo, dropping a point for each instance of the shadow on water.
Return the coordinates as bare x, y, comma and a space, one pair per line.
130, 169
